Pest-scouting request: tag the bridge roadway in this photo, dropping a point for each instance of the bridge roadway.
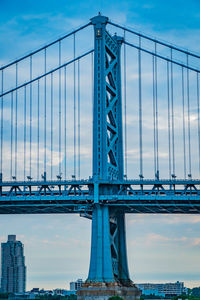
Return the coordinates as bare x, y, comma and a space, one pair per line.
79, 196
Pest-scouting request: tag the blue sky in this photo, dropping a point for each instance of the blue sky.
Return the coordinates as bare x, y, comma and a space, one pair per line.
160, 248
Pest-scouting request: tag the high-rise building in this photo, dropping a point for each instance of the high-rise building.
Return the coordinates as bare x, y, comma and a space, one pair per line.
13, 269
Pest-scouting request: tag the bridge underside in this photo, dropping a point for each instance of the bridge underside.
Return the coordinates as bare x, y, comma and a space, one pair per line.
147, 196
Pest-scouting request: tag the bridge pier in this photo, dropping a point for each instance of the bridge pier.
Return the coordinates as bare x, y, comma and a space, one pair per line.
108, 272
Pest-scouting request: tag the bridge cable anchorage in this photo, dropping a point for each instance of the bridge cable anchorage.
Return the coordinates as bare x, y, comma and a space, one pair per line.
172, 117
38, 128
74, 49
173, 47
125, 107
24, 133
45, 110
2, 89
11, 139
79, 164
183, 113
198, 116
52, 101
169, 121
16, 118
30, 158
65, 120
45, 47
140, 108
189, 134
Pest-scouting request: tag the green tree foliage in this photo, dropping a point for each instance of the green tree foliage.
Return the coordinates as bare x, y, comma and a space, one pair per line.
115, 298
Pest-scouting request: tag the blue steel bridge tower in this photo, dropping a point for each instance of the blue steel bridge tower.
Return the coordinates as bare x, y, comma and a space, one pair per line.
108, 262
107, 196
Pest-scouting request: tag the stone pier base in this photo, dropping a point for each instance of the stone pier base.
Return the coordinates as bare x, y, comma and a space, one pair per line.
104, 292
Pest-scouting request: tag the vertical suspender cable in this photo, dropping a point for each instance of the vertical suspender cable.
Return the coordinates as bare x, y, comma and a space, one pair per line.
51, 126
154, 118
125, 121
1, 166
169, 123
65, 119
30, 116
198, 116
60, 109
24, 133
45, 111
79, 165
11, 138
172, 116
140, 107
38, 128
74, 106
183, 111
16, 120
188, 104
92, 84
156, 111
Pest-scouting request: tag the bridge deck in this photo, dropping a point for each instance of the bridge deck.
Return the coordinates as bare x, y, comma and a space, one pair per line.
77, 196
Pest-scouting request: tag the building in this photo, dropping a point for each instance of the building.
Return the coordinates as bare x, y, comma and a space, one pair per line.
13, 269
76, 285
163, 289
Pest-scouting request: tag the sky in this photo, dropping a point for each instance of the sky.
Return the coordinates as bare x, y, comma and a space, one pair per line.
160, 248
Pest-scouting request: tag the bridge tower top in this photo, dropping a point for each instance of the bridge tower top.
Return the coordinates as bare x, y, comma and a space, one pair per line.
107, 108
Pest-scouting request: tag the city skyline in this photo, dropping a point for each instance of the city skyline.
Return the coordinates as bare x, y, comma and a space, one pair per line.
165, 247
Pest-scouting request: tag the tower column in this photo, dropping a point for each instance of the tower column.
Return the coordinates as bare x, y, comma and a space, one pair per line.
108, 272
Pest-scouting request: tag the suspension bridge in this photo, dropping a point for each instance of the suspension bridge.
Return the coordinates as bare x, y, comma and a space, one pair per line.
102, 127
